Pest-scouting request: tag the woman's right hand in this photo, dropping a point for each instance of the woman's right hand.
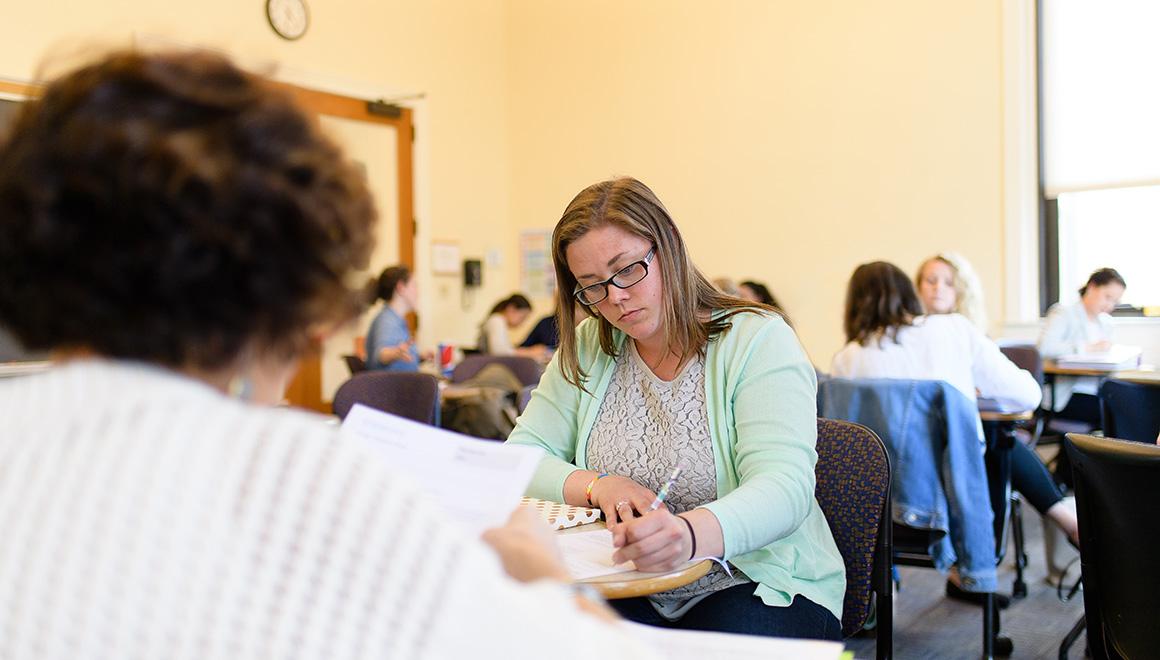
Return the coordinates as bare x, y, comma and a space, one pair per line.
620, 498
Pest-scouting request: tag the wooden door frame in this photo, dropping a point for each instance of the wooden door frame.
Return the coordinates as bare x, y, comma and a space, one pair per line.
305, 389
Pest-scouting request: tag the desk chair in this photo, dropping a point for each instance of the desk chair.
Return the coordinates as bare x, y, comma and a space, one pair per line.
524, 398
1027, 358
853, 491
411, 395
1130, 411
527, 370
910, 415
1117, 485
355, 364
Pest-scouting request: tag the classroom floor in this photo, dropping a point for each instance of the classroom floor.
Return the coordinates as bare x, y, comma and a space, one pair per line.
928, 625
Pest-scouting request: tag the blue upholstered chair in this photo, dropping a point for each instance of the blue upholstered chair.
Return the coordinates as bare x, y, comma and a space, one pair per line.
1130, 411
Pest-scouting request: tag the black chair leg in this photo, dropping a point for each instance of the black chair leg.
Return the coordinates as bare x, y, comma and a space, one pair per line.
994, 644
1019, 589
989, 627
1071, 636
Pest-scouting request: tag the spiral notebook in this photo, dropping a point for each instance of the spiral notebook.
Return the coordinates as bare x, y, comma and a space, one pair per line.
562, 516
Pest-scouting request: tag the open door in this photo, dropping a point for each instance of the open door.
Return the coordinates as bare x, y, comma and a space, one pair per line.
381, 141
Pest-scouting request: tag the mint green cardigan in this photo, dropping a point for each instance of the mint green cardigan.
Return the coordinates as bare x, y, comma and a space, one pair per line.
760, 393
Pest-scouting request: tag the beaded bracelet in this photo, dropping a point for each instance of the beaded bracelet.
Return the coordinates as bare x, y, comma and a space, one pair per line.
692, 536
588, 489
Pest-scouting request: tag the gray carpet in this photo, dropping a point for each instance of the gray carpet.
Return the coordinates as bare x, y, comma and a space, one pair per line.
929, 625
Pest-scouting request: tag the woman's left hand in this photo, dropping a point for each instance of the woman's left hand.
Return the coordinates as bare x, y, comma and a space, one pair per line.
656, 542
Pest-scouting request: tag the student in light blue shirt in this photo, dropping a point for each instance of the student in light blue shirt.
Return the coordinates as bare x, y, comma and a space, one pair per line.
390, 345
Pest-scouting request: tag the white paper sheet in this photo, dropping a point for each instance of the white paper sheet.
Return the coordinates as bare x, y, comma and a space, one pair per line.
677, 644
478, 482
589, 554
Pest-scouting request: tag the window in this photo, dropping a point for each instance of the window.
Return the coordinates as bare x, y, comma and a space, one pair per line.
1099, 146
1118, 228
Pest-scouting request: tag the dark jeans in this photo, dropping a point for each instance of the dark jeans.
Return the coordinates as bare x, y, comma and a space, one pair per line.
737, 610
1030, 477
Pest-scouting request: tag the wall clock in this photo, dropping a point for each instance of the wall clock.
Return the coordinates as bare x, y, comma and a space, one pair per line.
289, 18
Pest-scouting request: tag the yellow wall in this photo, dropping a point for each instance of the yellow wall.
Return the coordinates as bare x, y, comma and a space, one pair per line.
790, 140
454, 52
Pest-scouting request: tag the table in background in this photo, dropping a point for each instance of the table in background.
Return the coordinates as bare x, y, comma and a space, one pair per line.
999, 430
13, 369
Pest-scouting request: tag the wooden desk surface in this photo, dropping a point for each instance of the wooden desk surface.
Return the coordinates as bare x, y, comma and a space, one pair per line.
12, 369
1142, 376
637, 583
995, 416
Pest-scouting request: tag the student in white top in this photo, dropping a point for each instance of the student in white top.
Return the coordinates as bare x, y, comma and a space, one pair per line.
947, 284
889, 337
508, 314
175, 230
1082, 327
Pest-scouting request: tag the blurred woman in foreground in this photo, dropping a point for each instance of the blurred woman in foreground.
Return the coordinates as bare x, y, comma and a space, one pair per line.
176, 230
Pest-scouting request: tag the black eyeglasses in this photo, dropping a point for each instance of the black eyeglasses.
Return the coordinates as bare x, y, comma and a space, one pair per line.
621, 279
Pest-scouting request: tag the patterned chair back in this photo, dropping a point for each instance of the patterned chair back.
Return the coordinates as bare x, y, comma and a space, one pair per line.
411, 395
853, 490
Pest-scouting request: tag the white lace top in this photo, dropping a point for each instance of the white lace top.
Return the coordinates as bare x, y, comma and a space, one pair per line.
645, 427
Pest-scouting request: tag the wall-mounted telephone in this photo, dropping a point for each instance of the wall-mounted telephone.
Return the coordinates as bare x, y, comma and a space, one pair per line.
472, 273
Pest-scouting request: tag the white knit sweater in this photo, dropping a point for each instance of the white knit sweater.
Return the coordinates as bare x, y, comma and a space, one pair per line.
145, 515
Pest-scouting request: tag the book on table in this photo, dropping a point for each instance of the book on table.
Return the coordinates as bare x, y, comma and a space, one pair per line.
1116, 358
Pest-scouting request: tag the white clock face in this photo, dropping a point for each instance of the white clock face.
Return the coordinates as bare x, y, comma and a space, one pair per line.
289, 18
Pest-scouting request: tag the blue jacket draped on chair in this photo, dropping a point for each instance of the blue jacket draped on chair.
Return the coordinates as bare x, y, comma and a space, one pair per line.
935, 441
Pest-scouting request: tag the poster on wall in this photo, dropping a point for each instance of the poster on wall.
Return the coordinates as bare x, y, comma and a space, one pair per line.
537, 279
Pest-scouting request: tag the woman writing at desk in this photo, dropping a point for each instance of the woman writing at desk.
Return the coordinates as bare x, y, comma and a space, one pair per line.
1082, 327
670, 371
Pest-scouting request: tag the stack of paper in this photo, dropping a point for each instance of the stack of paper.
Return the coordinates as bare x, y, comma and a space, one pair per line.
1115, 358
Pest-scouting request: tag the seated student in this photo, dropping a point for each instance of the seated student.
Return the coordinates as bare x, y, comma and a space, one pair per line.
508, 314
671, 371
1082, 327
547, 332
889, 337
544, 333
390, 346
175, 230
758, 292
947, 284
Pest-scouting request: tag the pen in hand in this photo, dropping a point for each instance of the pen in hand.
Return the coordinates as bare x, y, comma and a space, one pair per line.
664, 491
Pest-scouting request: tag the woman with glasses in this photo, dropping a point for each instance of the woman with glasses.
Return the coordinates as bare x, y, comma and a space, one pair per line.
672, 372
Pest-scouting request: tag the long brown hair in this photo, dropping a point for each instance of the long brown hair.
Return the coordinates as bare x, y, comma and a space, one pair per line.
687, 296
879, 299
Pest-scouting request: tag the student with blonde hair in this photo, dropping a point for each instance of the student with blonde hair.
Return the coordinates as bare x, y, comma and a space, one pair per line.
948, 284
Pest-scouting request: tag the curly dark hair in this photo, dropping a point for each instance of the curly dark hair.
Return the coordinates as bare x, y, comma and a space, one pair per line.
175, 209
880, 299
